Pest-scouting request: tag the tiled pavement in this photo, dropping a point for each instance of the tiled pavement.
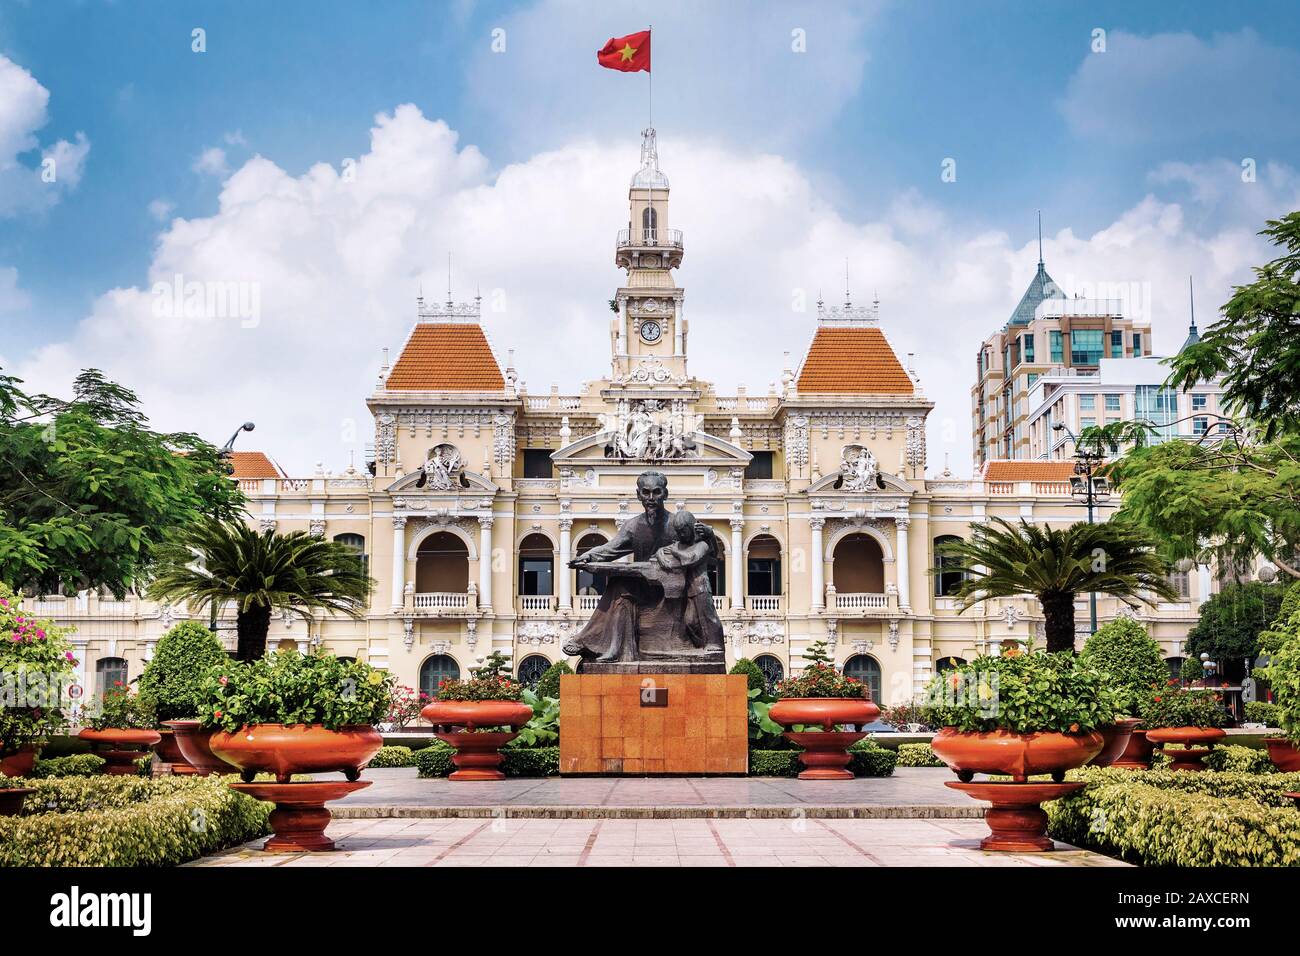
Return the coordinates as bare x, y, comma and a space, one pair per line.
910, 819
674, 842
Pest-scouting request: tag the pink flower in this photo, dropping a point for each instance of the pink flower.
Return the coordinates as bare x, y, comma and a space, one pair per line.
223, 680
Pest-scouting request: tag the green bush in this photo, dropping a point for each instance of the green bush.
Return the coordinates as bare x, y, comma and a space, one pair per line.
868, 759
1262, 712
1191, 670
435, 761
73, 765
548, 685
1154, 822
128, 821
392, 757
174, 677
917, 755
774, 763
1236, 759
1284, 674
1130, 658
1269, 789
1180, 707
753, 673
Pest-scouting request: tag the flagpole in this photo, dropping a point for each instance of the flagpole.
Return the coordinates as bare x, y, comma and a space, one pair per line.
650, 30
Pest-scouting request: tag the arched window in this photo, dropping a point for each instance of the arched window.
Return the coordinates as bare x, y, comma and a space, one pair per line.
587, 582
763, 566
435, 670
531, 669
109, 672
649, 222
949, 576
347, 660
864, 668
358, 544
536, 565
948, 664
859, 565
442, 564
772, 668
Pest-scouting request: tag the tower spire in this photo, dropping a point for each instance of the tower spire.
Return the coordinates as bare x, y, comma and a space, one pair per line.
847, 301
1193, 335
1040, 237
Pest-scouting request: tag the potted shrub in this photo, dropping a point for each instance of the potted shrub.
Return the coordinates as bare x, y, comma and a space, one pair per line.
292, 713
173, 680
812, 704
1019, 714
905, 718
1178, 715
469, 715
127, 724
1129, 658
36, 667
1282, 645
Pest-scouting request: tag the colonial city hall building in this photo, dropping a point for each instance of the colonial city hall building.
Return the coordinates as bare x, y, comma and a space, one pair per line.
481, 494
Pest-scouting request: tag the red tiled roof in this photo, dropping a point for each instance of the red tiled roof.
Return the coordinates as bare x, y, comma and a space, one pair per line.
253, 464
1028, 470
446, 356
852, 360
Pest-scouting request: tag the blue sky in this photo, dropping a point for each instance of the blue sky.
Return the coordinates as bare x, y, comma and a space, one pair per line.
884, 93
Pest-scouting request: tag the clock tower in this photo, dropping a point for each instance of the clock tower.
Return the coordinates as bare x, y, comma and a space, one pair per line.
648, 336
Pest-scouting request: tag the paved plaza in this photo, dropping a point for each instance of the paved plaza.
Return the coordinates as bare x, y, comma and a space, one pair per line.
909, 819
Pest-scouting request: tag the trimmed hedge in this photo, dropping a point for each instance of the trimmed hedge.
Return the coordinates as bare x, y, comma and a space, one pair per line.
1262, 712
435, 761
918, 755
73, 765
128, 821
866, 759
395, 756
1160, 818
753, 673
1237, 759
548, 685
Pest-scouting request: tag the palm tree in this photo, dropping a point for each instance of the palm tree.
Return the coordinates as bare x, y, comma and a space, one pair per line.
218, 562
1055, 564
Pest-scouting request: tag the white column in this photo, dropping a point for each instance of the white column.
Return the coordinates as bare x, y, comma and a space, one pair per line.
736, 590
485, 563
563, 576
816, 562
399, 559
677, 329
901, 564
1203, 582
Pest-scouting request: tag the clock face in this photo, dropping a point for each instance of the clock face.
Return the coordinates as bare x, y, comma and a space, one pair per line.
651, 331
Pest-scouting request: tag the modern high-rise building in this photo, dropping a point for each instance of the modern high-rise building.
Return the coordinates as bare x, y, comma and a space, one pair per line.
1047, 334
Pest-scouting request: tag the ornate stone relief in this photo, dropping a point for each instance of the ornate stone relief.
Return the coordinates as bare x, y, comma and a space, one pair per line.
443, 470
503, 442
537, 633
650, 430
386, 439
796, 442
915, 442
859, 470
316, 527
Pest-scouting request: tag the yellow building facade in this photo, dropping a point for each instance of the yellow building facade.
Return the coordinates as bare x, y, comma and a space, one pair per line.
480, 493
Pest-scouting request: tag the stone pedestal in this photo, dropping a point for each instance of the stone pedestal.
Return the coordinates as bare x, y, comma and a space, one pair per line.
653, 723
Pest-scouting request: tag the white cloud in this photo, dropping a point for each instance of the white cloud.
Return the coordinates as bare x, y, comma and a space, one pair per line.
12, 297
160, 209
1178, 87
211, 162
335, 257
23, 187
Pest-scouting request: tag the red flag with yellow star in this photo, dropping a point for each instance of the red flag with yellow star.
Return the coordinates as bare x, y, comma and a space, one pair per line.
630, 54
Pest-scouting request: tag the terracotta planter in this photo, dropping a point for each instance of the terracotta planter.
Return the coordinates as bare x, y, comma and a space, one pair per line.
826, 754
1016, 819
300, 817
194, 744
11, 800
121, 755
1020, 756
1284, 753
478, 752
302, 748
1137, 755
170, 753
19, 764
1189, 758
1115, 741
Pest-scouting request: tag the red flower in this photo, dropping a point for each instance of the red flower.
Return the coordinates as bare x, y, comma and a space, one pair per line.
217, 714
1074, 728
1157, 700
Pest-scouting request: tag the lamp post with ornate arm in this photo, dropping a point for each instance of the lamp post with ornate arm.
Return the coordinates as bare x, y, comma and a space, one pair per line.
223, 454
1089, 489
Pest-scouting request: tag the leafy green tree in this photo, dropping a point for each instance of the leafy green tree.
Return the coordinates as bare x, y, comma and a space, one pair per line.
1130, 658
496, 664
1231, 621
260, 572
754, 678
1235, 493
817, 654
1002, 559
88, 492
548, 685
173, 678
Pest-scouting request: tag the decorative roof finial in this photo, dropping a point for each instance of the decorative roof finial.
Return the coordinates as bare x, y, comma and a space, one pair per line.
1040, 237
847, 303
448, 281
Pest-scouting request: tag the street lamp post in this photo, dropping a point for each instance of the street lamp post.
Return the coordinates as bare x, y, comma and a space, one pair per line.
1087, 488
223, 454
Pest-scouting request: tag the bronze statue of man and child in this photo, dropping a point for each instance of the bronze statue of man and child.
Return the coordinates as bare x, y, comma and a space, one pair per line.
657, 608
